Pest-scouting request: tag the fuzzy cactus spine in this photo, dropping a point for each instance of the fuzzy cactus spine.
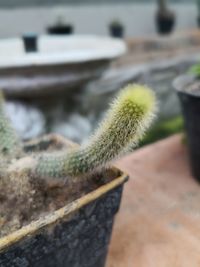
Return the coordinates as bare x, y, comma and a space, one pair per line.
10, 143
129, 116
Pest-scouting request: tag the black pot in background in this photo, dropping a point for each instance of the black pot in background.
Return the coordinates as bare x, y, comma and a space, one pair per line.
60, 29
30, 42
190, 103
198, 21
116, 31
165, 22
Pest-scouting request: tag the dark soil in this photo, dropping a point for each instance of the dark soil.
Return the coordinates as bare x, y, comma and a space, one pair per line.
24, 198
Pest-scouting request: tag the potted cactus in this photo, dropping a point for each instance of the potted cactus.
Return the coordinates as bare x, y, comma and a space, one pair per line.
198, 16
30, 41
188, 89
116, 29
58, 200
60, 27
165, 18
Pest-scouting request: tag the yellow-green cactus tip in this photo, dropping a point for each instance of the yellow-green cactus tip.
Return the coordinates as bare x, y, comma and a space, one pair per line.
138, 96
125, 123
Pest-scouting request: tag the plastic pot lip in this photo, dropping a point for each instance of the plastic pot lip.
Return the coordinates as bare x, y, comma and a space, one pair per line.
64, 213
181, 83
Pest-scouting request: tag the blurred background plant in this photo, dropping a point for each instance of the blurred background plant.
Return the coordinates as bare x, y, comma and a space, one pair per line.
116, 28
195, 69
165, 18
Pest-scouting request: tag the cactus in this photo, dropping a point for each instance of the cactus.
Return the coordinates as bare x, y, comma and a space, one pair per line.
125, 123
163, 9
26, 178
9, 141
128, 118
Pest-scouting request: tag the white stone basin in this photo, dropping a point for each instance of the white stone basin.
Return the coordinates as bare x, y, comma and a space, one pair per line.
61, 61
59, 50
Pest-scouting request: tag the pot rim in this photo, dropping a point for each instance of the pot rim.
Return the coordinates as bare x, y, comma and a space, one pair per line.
182, 81
63, 213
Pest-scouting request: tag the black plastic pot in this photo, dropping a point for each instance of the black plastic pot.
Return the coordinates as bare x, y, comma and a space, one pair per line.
60, 29
116, 31
30, 42
76, 235
198, 21
190, 103
165, 23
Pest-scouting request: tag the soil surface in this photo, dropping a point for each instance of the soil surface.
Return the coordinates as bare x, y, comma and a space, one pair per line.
24, 198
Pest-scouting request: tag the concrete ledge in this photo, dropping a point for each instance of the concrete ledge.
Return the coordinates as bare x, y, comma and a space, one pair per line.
159, 220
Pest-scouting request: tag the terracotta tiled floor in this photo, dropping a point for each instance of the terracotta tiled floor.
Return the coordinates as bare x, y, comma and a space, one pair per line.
158, 224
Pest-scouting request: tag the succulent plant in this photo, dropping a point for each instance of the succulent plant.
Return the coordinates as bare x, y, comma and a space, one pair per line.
164, 9
195, 70
10, 144
115, 23
162, 4
129, 116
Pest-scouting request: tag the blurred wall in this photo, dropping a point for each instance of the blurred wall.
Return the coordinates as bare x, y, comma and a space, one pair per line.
93, 19
17, 3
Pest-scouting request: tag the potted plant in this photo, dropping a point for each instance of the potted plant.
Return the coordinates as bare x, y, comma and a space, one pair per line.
165, 18
188, 89
57, 207
60, 27
30, 41
116, 29
198, 16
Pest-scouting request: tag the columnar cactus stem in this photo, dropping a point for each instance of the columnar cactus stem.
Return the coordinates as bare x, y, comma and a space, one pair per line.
129, 116
9, 141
